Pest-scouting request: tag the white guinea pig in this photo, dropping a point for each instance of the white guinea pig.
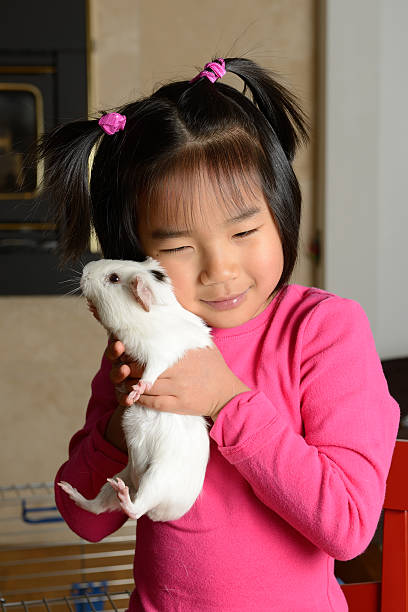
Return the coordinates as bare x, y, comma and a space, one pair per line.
168, 453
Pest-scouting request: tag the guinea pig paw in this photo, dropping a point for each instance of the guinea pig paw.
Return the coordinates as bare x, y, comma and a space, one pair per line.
122, 492
138, 390
69, 489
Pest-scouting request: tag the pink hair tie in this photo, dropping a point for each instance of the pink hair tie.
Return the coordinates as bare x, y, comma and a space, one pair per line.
218, 71
112, 123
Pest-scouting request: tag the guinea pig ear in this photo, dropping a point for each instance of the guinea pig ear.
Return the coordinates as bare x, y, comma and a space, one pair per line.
142, 293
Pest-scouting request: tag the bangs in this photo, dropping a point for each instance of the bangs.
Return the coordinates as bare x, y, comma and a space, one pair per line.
224, 172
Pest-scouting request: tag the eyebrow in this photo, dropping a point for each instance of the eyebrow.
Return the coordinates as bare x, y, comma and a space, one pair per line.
163, 233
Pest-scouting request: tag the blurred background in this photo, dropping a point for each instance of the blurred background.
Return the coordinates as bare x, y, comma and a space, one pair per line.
62, 61
59, 61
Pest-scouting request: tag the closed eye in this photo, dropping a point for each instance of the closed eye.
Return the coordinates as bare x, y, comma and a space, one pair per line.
245, 234
176, 250
182, 249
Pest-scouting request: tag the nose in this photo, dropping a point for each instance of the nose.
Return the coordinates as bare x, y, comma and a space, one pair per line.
219, 268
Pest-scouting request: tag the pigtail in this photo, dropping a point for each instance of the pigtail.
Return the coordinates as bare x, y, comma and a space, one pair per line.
66, 153
277, 104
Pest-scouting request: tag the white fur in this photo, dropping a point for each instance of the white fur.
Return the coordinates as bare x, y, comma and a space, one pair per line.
168, 453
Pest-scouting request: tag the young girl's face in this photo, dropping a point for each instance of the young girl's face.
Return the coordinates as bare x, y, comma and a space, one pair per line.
224, 265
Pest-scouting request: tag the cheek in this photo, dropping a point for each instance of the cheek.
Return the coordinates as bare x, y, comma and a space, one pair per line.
176, 270
269, 268
277, 258
268, 257
181, 278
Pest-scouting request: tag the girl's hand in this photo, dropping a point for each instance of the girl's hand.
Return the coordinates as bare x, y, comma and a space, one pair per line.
120, 372
199, 384
124, 373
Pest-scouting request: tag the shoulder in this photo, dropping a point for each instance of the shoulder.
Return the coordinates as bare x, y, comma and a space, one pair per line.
333, 332
316, 304
321, 316
312, 296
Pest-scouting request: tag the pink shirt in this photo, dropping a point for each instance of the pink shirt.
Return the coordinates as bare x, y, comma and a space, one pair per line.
296, 476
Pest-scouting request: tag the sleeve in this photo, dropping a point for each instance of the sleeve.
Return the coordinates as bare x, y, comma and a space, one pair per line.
328, 483
92, 460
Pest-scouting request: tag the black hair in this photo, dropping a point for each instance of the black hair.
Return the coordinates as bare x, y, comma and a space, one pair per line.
240, 141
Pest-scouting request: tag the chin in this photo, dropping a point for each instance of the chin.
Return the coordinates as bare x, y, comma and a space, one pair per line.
227, 319
232, 317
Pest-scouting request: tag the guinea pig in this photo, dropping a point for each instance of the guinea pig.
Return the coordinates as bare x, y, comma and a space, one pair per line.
168, 453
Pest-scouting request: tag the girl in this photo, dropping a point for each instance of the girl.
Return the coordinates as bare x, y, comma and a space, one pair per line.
302, 426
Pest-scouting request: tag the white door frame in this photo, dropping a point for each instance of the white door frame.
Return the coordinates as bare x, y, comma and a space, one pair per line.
362, 161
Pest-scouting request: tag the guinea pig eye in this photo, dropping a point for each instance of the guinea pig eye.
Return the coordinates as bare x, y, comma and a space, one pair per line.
114, 278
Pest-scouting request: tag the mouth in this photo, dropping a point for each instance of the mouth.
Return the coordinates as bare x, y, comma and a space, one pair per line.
227, 302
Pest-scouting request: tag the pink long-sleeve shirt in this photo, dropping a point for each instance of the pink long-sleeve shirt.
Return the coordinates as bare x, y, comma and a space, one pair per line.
296, 475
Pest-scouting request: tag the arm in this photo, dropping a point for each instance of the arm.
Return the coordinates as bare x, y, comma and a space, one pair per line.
329, 484
92, 459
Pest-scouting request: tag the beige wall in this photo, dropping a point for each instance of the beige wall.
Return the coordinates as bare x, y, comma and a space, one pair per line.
51, 346
136, 45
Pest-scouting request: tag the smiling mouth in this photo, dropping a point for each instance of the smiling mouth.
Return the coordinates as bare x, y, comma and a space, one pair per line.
228, 302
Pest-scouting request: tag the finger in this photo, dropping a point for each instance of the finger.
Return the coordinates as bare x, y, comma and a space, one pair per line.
163, 403
119, 373
114, 350
162, 386
128, 385
136, 370
123, 399
128, 392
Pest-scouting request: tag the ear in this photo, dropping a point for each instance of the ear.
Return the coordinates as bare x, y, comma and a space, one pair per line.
142, 293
